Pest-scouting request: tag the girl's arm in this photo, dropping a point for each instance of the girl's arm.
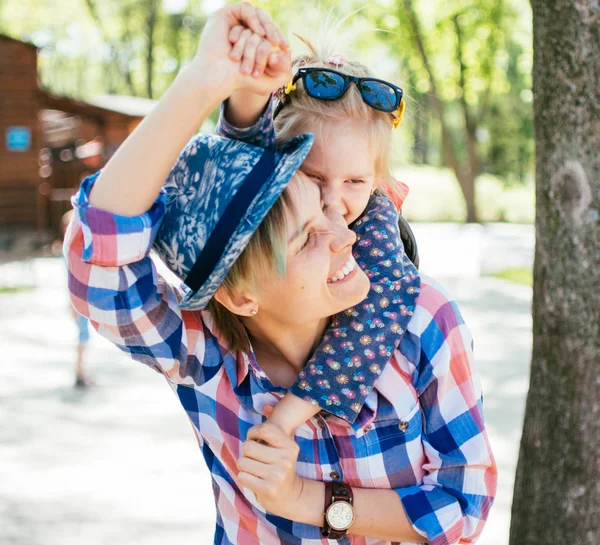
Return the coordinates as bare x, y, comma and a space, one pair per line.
269, 61
248, 116
260, 133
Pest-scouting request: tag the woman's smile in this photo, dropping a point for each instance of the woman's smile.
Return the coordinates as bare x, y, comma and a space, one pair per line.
345, 272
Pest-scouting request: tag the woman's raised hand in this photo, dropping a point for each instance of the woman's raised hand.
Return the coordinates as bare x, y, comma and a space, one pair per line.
243, 50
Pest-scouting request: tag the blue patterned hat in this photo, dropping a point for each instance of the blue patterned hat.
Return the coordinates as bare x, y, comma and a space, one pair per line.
217, 194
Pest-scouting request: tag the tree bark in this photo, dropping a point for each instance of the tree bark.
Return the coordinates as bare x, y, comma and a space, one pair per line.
471, 170
557, 487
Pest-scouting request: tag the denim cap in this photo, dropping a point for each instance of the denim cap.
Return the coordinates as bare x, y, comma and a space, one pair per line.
217, 194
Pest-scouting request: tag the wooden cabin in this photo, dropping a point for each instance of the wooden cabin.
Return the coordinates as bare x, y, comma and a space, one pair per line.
49, 142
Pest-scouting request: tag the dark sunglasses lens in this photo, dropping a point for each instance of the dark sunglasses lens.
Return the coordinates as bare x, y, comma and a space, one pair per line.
324, 85
379, 95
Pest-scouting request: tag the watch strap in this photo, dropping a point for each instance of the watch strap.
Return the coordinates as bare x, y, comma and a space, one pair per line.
335, 492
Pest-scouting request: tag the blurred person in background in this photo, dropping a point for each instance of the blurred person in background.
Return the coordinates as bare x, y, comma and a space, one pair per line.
82, 380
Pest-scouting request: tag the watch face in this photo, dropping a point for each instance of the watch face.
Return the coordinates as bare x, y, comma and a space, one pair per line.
340, 515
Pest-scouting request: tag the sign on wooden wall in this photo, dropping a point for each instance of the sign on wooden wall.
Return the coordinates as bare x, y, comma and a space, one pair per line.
18, 139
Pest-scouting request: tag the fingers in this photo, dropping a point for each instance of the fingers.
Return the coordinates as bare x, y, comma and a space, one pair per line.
237, 52
254, 51
264, 478
279, 64
256, 468
272, 435
256, 484
264, 453
274, 35
263, 52
235, 33
248, 15
272, 485
250, 50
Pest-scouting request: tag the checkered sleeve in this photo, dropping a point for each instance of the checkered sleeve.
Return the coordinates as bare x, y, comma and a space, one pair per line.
261, 134
113, 282
459, 485
361, 340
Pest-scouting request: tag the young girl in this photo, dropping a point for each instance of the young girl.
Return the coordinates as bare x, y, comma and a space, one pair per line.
352, 115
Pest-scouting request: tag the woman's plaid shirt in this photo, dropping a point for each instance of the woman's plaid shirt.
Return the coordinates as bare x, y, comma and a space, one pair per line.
421, 431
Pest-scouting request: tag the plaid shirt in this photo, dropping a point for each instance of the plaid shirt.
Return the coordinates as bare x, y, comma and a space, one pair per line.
421, 431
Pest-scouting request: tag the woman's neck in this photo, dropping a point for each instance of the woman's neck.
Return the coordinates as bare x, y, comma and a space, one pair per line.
282, 351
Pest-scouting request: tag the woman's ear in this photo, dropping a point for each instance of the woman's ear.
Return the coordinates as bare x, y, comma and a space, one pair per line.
239, 303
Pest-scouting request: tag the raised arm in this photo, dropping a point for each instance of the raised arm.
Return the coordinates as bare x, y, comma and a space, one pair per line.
248, 115
118, 212
269, 60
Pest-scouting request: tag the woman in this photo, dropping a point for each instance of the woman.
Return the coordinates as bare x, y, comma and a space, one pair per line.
415, 466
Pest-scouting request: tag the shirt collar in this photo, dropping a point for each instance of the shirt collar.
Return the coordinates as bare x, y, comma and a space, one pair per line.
239, 364
243, 361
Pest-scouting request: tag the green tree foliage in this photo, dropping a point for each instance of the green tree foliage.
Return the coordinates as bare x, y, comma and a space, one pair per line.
88, 47
466, 67
464, 64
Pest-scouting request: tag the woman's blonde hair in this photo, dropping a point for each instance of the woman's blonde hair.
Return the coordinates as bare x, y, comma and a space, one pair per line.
303, 113
263, 259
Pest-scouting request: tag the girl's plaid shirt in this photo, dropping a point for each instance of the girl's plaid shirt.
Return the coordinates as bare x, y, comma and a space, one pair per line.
420, 432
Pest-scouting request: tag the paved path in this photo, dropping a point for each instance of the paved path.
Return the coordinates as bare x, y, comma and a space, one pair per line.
457, 250
119, 464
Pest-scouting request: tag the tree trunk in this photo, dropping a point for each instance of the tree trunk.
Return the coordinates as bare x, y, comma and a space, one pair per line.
122, 68
421, 121
465, 175
467, 186
150, 27
557, 488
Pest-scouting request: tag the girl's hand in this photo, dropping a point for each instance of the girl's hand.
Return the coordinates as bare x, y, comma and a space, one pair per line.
265, 67
290, 412
259, 56
268, 468
213, 59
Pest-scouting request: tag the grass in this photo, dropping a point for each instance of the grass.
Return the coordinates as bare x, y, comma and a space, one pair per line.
4, 290
519, 275
435, 196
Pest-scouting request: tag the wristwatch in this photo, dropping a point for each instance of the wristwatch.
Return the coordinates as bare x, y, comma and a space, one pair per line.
339, 511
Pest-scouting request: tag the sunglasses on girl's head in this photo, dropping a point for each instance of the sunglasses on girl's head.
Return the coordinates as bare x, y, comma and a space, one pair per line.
326, 84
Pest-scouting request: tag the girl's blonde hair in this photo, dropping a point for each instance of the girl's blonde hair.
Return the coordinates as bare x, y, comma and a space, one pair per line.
303, 113
263, 259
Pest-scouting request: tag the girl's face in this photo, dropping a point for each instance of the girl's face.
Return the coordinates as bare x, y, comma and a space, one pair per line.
322, 277
342, 163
